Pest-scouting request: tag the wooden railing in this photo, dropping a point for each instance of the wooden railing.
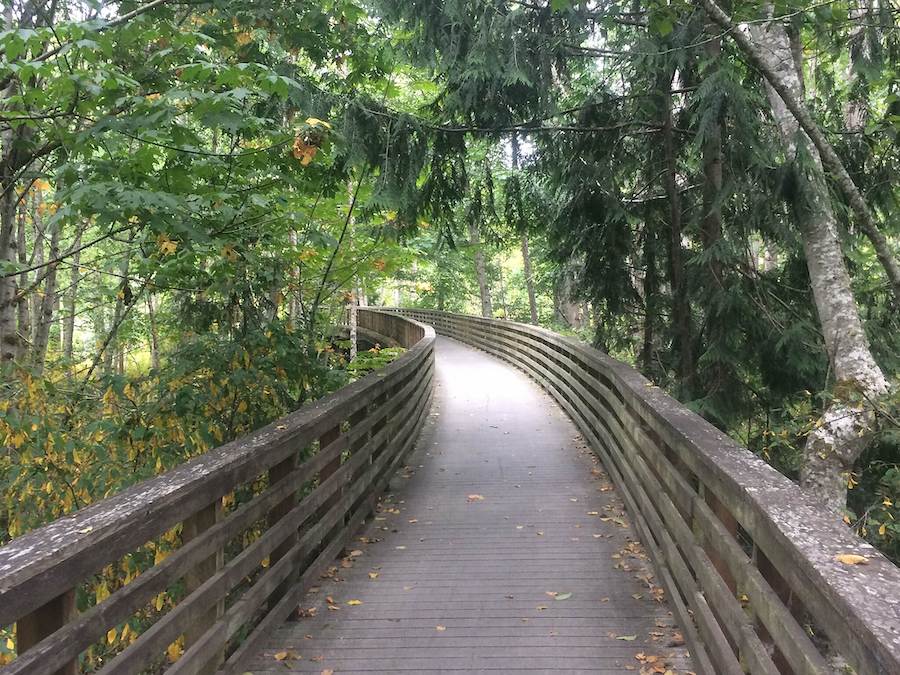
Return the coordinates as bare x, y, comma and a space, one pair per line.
258, 519
747, 559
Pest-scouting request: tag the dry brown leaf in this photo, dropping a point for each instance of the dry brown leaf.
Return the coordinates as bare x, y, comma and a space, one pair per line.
852, 559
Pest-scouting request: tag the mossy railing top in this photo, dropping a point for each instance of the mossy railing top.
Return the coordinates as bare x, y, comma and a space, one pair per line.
749, 561
257, 519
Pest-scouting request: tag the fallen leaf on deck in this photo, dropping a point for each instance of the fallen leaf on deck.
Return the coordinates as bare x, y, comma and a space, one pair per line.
627, 638
562, 596
852, 559
287, 655
353, 603
440, 628
373, 575
356, 553
475, 498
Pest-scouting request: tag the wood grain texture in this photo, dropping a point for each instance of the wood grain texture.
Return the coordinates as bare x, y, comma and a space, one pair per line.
461, 583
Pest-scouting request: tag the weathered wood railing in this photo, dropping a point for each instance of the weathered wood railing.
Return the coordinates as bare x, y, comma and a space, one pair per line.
307, 482
747, 559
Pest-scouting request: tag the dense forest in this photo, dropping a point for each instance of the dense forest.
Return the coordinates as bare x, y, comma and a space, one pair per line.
194, 192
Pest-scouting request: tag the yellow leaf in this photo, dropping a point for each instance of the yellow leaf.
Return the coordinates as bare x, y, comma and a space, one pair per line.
474, 498
315, 122
243, 38
174, 651
160, 599
882, 529
111, 635
10, 645
852, 559
287, 655
354, 602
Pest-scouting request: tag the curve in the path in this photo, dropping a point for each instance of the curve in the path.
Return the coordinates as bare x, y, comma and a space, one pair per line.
502, 547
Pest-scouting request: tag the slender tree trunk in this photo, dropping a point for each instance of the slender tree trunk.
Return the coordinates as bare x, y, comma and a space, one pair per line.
503, 292
23, 311
526, 254
651, 284
857, 107
529, 280
782, 77
113, 345
37, 258
68, 330
47, 303
9, 337
681, 308
847, 425
484, 288
154, 333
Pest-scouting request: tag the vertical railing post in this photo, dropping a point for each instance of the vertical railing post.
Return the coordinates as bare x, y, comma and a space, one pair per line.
44, 621
327, 471
277, 473
193, 527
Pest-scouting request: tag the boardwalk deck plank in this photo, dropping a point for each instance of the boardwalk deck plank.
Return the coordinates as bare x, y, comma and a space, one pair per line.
460, 583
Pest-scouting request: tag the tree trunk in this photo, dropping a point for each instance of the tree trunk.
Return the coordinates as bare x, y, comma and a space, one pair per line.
681, 308
154, 333
484, 288
717, 371
68, 330
526, 255
651, 284
47, 303
529, 280
847, 425
9, 336
23, 311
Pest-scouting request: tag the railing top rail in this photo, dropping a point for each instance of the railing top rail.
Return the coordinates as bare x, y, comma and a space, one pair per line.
771, 507
40, 565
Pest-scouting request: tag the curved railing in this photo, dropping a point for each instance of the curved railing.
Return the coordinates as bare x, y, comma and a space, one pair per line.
305, 483
747, 559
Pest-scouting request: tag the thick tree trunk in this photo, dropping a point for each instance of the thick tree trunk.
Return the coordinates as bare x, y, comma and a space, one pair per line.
68, 329
783, 78
846, 426
484, 289
681, 308
529, 280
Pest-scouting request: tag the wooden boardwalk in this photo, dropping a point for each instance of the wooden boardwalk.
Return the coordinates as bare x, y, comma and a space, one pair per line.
502, 547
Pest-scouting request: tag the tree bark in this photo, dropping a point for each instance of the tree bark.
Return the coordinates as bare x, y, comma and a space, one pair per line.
526, 254
651, 284
484, 289
529, 280
846, 426
711, 230
68, 330
23, 308
681, 308
782, 77
154, 333
48, 299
